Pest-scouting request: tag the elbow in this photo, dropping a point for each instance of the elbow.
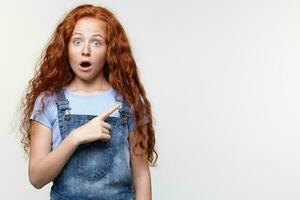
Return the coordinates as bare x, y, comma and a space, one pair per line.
35, 183
35, 180
36, 186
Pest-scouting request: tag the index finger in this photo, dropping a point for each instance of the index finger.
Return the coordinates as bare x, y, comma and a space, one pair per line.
106, 114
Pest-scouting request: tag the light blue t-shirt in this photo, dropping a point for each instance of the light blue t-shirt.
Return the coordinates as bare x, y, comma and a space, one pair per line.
83, 105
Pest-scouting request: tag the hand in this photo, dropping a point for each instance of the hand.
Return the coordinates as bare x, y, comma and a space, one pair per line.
95, 129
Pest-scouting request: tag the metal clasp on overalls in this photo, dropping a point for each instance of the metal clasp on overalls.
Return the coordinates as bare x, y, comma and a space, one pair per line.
123, 116
67, 115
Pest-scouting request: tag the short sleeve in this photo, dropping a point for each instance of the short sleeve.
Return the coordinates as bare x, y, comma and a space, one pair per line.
131, 122
41, 116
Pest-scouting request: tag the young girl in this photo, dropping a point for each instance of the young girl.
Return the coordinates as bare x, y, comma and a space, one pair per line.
87, 123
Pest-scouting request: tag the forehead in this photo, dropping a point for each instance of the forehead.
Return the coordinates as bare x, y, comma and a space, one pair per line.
90, 26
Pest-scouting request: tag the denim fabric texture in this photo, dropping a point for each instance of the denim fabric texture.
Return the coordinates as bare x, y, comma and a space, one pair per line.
97, 170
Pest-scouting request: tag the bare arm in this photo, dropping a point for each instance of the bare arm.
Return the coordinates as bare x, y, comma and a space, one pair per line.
44, 164
140, 171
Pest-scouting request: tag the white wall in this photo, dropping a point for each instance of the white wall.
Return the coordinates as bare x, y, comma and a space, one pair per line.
223, 78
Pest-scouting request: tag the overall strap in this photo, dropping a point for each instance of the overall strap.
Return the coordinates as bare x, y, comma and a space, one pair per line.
124, 110
62, 106
61, 101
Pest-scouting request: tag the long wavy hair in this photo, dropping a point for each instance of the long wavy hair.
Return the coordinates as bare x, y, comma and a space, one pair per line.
53, 72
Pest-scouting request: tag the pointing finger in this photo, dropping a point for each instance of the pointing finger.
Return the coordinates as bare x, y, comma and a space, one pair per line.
106, 114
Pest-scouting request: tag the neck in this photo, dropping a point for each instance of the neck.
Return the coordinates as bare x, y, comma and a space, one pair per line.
89, 87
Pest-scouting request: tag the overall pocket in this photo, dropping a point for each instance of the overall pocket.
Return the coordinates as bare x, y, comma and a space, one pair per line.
95, 159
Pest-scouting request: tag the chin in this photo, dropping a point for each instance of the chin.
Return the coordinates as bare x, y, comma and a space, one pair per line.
86, 78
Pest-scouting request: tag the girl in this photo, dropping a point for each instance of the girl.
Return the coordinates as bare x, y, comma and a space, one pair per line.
87, 123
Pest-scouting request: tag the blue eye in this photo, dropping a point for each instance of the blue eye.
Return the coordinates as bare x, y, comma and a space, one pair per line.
77, 42
96, 43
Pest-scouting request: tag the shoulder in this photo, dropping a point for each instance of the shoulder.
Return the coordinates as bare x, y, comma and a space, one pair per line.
45, 98
43, 110
45, 102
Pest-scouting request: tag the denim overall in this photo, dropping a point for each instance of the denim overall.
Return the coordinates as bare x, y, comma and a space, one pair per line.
97, 170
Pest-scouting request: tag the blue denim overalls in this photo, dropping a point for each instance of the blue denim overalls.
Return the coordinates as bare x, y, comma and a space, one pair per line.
96, 170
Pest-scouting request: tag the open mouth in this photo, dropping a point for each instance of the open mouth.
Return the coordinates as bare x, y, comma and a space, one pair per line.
85, 64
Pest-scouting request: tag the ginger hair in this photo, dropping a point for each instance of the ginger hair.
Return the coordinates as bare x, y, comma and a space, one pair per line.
53, 72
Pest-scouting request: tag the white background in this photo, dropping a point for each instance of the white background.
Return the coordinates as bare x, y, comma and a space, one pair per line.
223, 78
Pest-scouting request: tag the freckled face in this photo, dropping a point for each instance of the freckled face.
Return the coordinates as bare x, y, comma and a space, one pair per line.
87, 49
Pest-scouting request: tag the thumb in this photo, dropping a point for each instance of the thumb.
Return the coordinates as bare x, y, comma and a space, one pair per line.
106, 114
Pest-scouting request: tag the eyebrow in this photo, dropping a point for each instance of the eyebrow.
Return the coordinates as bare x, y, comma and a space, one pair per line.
96, 34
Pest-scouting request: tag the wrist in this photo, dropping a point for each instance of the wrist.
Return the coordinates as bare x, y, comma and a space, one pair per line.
73, 136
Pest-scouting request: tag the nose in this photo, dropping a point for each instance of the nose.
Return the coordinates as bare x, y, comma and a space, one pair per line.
86, 50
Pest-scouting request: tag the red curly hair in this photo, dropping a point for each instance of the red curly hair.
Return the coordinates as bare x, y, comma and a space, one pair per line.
53, 72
